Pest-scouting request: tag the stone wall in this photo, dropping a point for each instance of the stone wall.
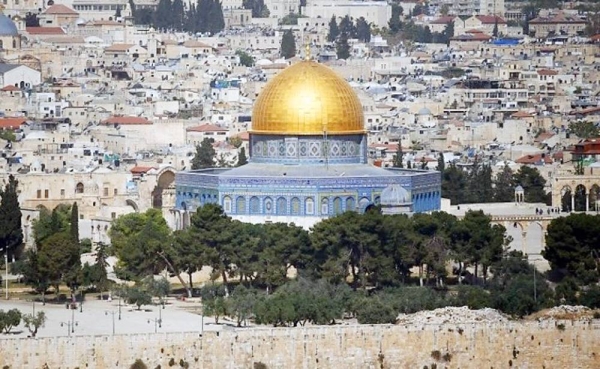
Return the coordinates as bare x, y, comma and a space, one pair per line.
545, 344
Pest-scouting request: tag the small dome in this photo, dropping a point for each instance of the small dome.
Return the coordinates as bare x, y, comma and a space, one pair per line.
7, 26
519, 188
424, 111
394, 195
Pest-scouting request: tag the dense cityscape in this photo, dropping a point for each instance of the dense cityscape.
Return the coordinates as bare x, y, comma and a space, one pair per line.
313, 183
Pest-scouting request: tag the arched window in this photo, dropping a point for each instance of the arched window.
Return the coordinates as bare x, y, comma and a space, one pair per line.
350, 204
227, 204
79, 188
377, 200
325, 206
281, 206
240, 205
268, 205
309, 206
337, 205
254, 205
295, 206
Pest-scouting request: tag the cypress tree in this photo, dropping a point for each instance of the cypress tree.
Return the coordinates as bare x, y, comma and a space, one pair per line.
178, 15
334, 30
288, 44
74, 226
242, 159
342, 48
397, 161
163, 16
11, 234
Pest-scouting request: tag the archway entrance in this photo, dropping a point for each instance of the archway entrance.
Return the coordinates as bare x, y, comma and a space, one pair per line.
165, 180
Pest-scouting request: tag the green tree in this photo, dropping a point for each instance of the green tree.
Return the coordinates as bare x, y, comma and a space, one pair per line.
245, 59
504, 188
441, 163
258, 7
342, 47
348, 27
395, 24
288, 45
74, 224
495, 30
334, 31
205, 155
159, 288
33, 275
9, 320
398, 157
177, 18
215, 232
533, 184
214, 302
34, 322
573, 247
584, 129
163, 15
363, 30
242, 159
59, 259
444, 10
242, 304
139, 241
11, 234
137, 295
454, 182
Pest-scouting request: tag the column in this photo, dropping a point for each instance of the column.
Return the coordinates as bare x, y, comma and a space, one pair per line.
572, 201
587, 202
524, 244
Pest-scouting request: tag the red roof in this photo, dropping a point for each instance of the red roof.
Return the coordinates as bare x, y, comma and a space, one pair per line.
521, 114
60, 9
534, 159
491, 19
245, 136
10, 88
140, 169
45, 30
595, 109
443, 20
12, 123
547, 72
207, 128
126, 120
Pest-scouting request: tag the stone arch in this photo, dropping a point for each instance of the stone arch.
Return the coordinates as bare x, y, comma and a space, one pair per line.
79, 187
164, 180
534, 240
580, 200
254, 205
566, 198
240, 205
363, 203
133, 205
281, 206
594, 197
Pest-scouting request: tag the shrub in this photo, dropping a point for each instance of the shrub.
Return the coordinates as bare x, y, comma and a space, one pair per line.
138, 364
560, 327
436, 355
259, 365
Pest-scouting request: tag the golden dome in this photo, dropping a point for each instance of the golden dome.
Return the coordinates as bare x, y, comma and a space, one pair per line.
307, 99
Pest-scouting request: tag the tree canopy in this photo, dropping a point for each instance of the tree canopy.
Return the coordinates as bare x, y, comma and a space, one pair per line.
11, 233
205, 155
288, 44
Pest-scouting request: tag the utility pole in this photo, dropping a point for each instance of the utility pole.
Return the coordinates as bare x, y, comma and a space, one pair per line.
6, 270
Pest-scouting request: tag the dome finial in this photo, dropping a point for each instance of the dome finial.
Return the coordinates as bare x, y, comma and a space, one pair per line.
307, 49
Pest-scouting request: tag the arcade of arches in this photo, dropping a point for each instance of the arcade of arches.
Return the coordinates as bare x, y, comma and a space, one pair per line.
576, 193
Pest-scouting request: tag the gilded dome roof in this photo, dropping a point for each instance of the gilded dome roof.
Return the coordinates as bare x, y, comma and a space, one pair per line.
307, 98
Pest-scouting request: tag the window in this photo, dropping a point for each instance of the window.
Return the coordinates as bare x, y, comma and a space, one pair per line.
337, 205
113, 215
240, 205
350, 204
254, 205
310, 206
39, 194
62, 192
281, 206
115, 192
325, 206
105, 191
79, 188
295, 206
227, 204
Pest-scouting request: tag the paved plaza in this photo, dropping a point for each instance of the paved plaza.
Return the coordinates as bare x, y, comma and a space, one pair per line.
96, 318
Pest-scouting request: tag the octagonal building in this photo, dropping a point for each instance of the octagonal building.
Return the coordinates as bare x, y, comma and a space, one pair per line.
308, 159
